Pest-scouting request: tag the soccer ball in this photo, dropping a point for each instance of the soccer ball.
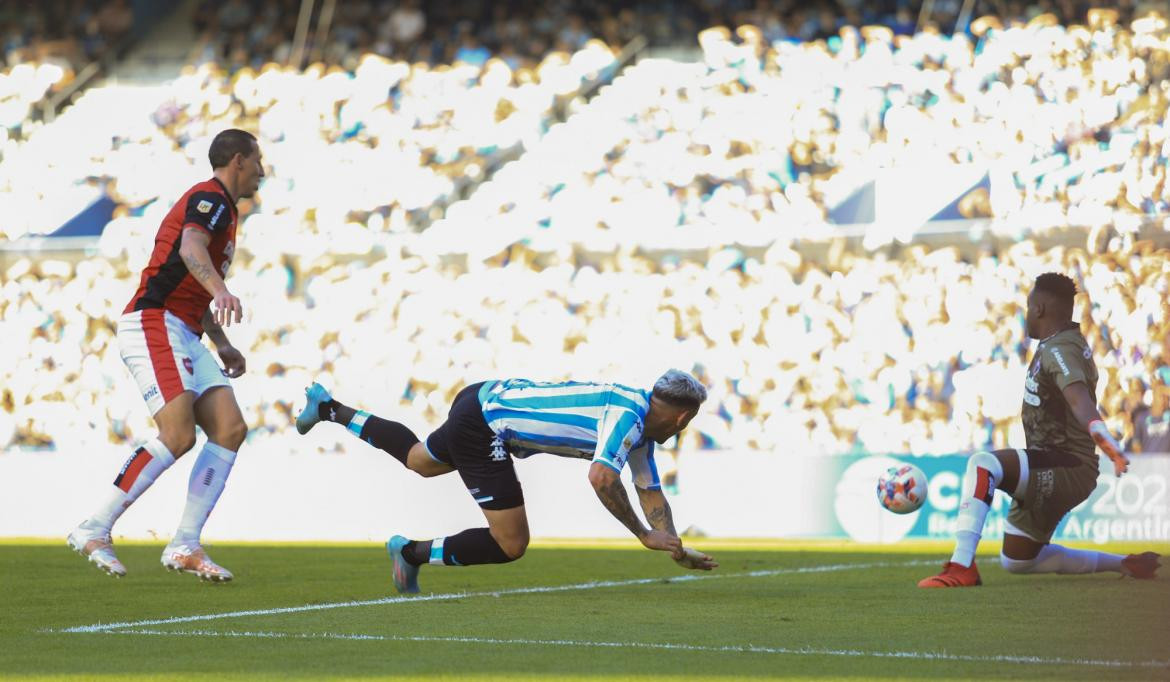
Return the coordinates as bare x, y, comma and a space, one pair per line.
902, 488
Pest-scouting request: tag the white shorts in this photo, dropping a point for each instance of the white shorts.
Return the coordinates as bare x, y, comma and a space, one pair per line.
166, 357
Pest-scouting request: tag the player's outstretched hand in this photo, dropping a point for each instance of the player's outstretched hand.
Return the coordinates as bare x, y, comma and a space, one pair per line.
233, 361
660, 539
693, 558
1109, 446
226, 308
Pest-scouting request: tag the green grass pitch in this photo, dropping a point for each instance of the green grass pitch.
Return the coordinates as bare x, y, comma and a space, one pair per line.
573, 611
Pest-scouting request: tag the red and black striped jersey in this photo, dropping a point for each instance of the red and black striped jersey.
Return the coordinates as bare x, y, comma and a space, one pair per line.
166, 282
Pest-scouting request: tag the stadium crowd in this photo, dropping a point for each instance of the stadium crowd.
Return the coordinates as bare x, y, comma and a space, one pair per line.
240, 33
919, 353
713, 169
45, 45
765, 139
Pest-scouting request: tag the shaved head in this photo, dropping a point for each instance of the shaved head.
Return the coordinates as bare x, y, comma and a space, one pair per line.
1050, 304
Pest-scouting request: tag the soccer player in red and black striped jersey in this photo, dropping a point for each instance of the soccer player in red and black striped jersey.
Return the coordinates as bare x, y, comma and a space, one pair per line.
159, 340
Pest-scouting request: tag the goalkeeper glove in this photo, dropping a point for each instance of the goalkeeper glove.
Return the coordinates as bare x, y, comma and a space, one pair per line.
1109, 446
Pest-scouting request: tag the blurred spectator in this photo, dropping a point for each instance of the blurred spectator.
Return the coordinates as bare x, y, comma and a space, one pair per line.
1151, 423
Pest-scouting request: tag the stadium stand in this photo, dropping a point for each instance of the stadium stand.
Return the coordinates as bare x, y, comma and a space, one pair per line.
683, 215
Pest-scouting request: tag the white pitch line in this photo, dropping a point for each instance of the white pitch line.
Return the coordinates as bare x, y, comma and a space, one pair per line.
745, 648
104, 627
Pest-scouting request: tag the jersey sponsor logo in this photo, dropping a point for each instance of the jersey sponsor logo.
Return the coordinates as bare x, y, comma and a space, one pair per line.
216, 216
1060, 360
203, 206
1032, 399
188, 365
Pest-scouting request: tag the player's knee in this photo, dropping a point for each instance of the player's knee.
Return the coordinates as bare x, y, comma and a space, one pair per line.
514, 546
1016, 565
232, 434
179, 441
424, 466
983, 460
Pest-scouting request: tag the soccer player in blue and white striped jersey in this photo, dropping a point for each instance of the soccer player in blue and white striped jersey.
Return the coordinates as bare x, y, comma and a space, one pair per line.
491, 422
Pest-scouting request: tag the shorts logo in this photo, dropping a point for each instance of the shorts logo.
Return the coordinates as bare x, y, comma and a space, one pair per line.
150, 393
1045, 483
499, 454
187, 365
203, 206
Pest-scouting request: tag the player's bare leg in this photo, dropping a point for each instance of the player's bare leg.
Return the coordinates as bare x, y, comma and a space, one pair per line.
218, 414
505, 539
509, 528
420, 462
176, 425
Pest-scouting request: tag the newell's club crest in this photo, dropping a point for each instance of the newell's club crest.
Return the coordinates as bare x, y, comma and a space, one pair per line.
188, 366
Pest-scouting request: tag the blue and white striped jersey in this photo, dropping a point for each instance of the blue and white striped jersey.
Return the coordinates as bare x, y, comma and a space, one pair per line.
601, 422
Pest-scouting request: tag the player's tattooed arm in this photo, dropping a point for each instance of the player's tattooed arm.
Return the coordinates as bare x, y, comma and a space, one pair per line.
226, 308
612, 494
193, 251
657, 510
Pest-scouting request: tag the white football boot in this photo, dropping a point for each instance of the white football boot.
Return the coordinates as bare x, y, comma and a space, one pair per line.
193, 559
95, 545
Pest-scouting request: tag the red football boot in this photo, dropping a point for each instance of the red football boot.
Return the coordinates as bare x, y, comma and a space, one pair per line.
954, 575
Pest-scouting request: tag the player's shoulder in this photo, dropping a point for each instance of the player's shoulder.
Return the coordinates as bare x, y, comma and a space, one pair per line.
635, 397
1066, 350
206, 196
210, 186
1069, 344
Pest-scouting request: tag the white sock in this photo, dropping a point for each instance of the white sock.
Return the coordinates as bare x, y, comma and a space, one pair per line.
1058, 559
208, 476
984, 472
140, 470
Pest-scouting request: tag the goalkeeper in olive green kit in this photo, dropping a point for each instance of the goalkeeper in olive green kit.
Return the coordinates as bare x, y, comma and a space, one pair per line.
1058, 468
